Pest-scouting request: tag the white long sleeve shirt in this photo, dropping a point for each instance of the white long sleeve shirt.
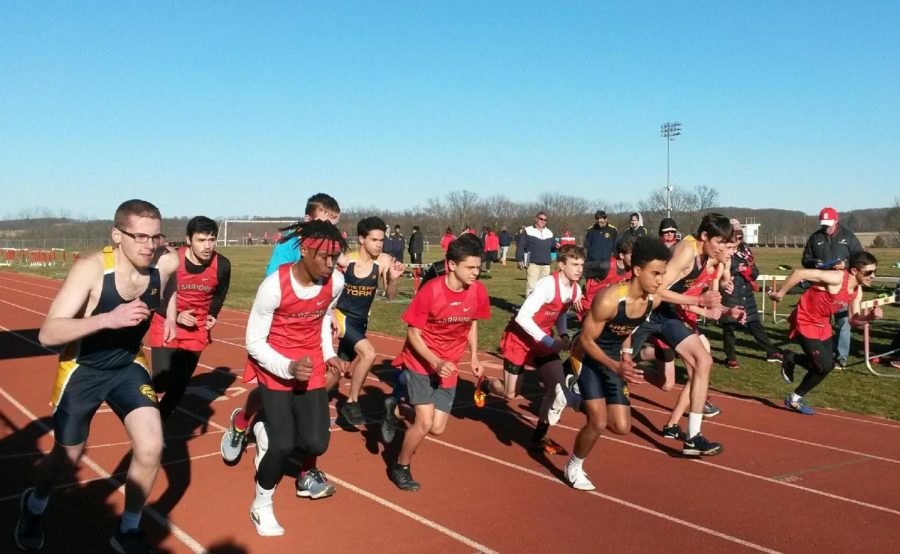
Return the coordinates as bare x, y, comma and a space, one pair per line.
268, 298
543, 293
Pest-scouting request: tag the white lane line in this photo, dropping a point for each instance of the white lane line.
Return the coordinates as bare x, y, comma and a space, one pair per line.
621, 502
175, 530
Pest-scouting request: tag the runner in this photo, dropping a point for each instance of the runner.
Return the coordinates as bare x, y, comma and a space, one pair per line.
99, 317
320, 207
202, 276
352, 313
442, 321
528, 340
688, 264
618, 269
602, 359
832, 291
289, 347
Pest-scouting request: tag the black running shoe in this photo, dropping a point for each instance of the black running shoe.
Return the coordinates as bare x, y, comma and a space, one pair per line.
402, 477
787, 369
131, 542
352, 412
699, 446
28, 534
390, 422
673, 432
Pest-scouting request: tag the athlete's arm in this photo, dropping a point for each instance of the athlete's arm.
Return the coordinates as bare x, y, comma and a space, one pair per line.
815, 276
445, 368
168, 267
337, 284
390, 270
67, 320
676, 268
472, 339
259, 323
223, 274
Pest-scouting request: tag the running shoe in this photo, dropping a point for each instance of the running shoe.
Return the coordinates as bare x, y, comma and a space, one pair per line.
732, 364
314, 485
710, 411
798, 406
479, 396
775, 357
673, 432
28, 534
402, 477
840, 363
787, 370
262, 442
698, 445
263, 518
131, 542
549, 447
390, 422
352, 412
578, 479
233, 441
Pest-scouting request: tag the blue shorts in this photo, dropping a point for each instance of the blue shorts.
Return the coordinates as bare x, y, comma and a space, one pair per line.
668, 326
596, 381
124, 390
351, 331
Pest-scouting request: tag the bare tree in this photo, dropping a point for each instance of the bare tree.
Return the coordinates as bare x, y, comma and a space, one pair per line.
707, 197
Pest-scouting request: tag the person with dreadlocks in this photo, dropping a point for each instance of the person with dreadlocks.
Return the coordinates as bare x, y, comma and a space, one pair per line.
290, 350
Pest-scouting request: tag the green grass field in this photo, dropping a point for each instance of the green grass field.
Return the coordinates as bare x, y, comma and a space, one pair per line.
854, 389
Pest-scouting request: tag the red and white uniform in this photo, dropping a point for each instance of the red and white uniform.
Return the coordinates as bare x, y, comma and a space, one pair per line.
812, 316
444, 318
545, 307
194, 292
594, 286
289, 321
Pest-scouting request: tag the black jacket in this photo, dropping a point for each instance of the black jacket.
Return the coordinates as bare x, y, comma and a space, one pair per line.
416, 243
742, 295
822, 248
505, 238
600, 242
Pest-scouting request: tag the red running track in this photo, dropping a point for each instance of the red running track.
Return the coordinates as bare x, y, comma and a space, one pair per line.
785, 482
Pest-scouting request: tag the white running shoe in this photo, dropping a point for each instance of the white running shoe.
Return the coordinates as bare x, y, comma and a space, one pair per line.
263, 518
233, 441
559, 404
262, 442
578, 479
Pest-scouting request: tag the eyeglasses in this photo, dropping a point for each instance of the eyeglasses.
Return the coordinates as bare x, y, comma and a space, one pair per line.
869, 273
542, 219
141, 238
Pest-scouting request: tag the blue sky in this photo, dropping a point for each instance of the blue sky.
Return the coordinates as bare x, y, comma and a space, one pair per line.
247, 108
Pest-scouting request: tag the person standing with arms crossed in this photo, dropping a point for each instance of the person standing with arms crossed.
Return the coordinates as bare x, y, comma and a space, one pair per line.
533, 251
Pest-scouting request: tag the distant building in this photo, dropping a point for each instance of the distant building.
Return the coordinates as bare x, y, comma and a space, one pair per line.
751, 231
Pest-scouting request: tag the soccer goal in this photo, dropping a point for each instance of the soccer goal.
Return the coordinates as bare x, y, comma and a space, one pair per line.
251, 232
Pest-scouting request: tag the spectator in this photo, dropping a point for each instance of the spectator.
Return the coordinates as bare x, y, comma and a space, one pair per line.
505, 241
416, 246
600, 243
668, 232
447, 239
829, 248
636, 228
491, 247
533, 251
399, 244
743, 275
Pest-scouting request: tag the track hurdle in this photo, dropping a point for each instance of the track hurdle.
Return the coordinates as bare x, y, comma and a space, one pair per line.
869, 304
763, 279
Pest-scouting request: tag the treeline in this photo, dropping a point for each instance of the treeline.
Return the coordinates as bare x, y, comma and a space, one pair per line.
460, 209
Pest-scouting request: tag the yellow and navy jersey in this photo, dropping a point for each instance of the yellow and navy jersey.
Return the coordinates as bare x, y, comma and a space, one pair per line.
359, 292
109, 349
621, 326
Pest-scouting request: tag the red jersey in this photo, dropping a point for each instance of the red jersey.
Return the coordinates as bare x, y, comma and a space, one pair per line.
517, 346
296, 331
594, 286
491, 242
812, 316
695, 287
194, 292
444, 318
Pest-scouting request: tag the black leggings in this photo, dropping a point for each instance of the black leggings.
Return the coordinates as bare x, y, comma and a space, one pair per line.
816, 359
755, 328
172, 370
294, 419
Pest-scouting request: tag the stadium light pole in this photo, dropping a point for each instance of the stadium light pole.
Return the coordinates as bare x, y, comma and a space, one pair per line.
669, 131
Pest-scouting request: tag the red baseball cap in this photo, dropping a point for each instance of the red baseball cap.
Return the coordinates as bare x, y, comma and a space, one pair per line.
828, 216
